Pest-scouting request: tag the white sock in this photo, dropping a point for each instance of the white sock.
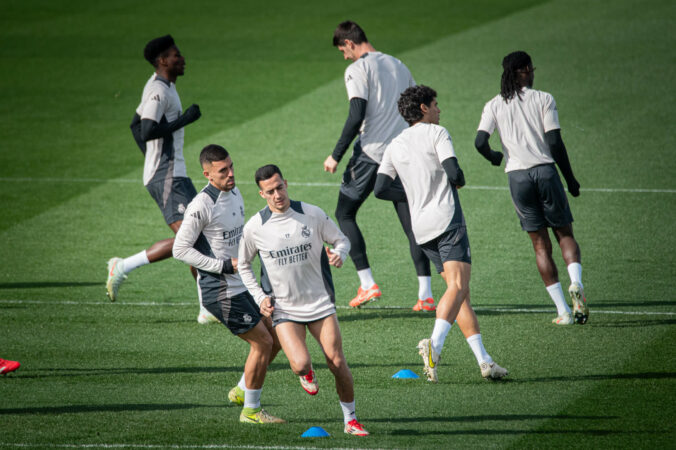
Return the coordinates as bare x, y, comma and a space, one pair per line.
575, 273
348, 411
441, 329
476, 344
135, 261
424, 288
366, 278
242, 383
252, 398
556, 293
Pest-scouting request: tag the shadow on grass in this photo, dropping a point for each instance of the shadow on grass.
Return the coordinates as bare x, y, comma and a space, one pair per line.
634, 323
73, 409
48, 284
600, 377
493, 417
583, 431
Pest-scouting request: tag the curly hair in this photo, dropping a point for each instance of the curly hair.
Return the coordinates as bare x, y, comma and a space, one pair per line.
511, 65
410, 101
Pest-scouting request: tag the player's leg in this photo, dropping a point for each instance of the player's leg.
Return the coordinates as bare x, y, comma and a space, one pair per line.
420, 261
327, 332
570, 251
292, 339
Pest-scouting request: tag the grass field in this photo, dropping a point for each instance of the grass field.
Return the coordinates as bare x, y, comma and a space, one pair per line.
141, 373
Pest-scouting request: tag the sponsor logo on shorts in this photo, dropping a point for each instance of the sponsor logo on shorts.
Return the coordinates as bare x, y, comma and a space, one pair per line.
247, 318
181, 208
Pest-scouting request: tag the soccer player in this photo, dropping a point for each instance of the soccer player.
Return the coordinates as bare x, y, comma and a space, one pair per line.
528, 123
289, 238
373, 81
208, 240
7, 366
423, 157
157, 127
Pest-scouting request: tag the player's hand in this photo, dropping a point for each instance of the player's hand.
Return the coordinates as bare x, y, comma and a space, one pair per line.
573, 187
234, 264
330, 164
496, 158
192, 113
334, 258
267, 307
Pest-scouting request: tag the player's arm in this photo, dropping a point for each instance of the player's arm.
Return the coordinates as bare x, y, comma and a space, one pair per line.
332, 235
151, 129
560, 155
385, 190
247, 253
136, 132
482, 145
353, 122
194, 221
453, 171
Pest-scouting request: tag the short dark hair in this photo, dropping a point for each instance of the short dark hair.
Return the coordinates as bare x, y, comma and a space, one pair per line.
266, 172
410, 101
511, 64
348, 30
158, 47
211, 153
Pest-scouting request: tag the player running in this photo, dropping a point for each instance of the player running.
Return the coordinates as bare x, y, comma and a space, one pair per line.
289, 238
423, 157
528, 123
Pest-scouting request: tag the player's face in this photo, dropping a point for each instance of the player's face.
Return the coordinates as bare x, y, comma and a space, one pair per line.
221, 174
273, 190
175, 62
431, 113
347, 49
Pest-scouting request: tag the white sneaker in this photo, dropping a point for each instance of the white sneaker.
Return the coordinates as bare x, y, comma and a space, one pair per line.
580, 310
430, 359
205, 317
492, 371
115, 277
563, 319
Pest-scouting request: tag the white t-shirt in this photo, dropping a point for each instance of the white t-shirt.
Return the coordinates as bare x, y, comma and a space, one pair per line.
160, 100
291, 247
415, 156
210, 233
379, 79
522, 125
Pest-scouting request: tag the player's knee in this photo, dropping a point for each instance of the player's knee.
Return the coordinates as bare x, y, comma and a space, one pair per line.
300, 366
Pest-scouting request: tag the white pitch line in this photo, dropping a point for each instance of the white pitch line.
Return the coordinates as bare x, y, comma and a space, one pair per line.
595, 310
312, 184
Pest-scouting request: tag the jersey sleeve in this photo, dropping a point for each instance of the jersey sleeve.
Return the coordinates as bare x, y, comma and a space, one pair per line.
196, 217
247, 253
386, 165
443, 145
156, 104
356, 82
330, 233
487, 122
550, 117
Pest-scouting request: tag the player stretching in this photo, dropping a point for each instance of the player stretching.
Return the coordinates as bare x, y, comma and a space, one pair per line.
373, 81
528, 123
208, 240
157, 127
424, 159
289, 238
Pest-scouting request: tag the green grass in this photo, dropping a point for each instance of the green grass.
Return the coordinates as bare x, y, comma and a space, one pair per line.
143, 372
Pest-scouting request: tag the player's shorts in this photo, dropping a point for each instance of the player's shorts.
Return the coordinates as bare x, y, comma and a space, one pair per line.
239, 313
451, 245
172, 196
276, 322
539, 198
360, 175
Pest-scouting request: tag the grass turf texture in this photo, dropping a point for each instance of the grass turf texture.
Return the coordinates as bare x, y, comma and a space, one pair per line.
143, 372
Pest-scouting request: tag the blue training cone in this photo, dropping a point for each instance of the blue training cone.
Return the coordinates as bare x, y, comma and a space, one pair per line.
405, 373
315, 432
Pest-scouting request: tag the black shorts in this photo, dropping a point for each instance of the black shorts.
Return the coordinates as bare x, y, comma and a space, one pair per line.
172, 196
539, 198
451, 245
360, 175
239, 313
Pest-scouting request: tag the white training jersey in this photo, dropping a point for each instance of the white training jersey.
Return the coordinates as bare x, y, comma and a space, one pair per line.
379, 79
210, 233
290, 246
415, 156
522, 125
164, 156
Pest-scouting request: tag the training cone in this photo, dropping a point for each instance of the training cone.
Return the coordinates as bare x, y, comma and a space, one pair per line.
405, 373
315, 432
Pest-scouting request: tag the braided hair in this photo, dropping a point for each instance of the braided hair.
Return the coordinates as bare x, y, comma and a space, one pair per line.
511, 65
